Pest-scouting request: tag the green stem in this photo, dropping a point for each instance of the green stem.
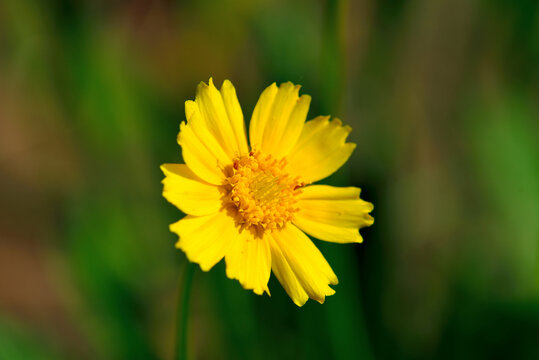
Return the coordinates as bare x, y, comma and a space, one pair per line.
183, 311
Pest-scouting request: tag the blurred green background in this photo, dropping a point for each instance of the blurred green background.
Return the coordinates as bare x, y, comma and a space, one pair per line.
443, 97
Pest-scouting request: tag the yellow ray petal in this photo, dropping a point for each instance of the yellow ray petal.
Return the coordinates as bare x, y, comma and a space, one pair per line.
200, 150
261, 114
222, 115
286, 276
278, 119
235, 115
214, 133
332, 213
320, 150
188, 192
249, 261
307, 263
205, 239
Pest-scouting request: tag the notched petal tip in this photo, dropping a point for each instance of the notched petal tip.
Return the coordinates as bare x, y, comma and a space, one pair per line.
338, 125
369, 220
350, 146
190, 108
337, 122
227, 85
257, 290
287, 84
260, 291
179, 137
303, 104
273, 86
322, 299
163, 168
203, 87
204, 267
289, 87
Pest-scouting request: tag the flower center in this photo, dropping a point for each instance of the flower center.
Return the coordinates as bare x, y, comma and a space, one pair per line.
262, 193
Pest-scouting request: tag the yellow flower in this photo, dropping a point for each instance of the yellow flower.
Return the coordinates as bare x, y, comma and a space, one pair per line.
252, 204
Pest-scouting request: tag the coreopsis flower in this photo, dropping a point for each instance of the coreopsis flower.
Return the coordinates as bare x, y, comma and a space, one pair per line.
252, 203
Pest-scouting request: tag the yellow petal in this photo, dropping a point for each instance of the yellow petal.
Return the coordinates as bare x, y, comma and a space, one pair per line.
261, 114
235, 115
278, 119
214, 133
332, 213
188, 192
286, 276
205, 239
249, 261
320, 150
229, 131
200, 150
307, 263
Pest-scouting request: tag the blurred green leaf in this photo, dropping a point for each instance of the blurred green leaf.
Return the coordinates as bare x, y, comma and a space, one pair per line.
19, 343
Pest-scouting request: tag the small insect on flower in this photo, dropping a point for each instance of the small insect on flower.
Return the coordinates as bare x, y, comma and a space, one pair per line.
252, 204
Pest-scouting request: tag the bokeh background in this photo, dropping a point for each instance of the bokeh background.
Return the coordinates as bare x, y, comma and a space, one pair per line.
443, 97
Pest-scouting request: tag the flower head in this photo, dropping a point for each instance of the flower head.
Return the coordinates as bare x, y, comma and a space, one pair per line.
252, 204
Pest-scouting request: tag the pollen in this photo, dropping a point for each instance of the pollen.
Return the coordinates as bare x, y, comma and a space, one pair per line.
263, 194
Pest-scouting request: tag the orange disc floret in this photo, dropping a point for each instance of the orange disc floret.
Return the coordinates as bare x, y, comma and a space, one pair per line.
263, 194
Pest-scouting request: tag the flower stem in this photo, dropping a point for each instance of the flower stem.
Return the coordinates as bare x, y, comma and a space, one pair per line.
183, 311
